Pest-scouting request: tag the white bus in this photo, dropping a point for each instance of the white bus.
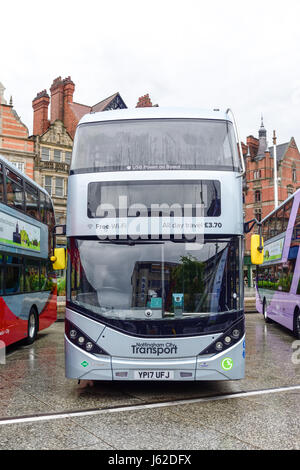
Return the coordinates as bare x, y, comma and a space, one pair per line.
155, 247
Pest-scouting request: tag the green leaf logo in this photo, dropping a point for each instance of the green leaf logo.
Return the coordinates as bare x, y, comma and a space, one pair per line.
227, 363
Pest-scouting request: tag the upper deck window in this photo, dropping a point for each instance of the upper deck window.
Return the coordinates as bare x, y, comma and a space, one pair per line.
1, 184
155, 144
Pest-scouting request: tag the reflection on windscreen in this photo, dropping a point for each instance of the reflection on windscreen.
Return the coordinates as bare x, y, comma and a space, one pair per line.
155, 144
154, 197
154, 280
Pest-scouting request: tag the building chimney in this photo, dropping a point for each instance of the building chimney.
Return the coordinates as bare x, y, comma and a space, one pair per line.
68, 117
144, 102
40, 106
57, 100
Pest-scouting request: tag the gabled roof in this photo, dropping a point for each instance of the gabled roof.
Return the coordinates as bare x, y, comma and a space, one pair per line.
80, 109
281, 150
107, 103
113, 101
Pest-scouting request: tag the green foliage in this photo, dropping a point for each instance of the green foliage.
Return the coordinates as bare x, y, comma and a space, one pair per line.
188, 278
61, 286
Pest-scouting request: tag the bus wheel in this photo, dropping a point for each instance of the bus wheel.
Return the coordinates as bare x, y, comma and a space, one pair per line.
33, 326
265, 314
297, 323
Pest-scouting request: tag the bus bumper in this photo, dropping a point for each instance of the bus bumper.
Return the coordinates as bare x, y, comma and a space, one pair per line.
228, 365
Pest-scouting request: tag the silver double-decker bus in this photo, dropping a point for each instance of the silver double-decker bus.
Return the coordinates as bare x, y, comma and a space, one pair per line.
155, 247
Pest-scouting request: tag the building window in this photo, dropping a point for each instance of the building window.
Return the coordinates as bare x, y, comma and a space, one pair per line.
57, 156
257, 174
257, 196
48, 184
59, 186
68, 157
294, 174
60, 218
19, 165
45, 155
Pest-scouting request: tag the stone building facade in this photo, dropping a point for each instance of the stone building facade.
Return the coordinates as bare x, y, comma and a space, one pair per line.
258, 195
15, 144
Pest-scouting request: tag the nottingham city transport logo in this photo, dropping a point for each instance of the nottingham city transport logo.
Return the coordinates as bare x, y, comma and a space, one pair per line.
155, 349
227, 363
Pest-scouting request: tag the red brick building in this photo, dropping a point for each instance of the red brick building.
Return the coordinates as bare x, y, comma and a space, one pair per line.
54, 131
64, 109
15, 144
259, 180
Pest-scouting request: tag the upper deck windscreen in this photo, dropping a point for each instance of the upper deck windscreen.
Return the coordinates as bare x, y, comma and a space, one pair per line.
155, 144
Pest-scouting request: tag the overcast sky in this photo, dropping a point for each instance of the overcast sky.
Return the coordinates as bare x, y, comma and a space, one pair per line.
238, 54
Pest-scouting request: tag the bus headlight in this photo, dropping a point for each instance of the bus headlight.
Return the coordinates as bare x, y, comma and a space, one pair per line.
81, 340
235, 333
227, 339
89, 346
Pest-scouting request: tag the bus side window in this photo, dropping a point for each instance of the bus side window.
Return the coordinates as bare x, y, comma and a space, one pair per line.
50, 218
296, 231
43, 207
1, 185
1, 273
32, 201
287, 212
14, 190
279, 221
265, 230
32, 277
13, 276
50, 221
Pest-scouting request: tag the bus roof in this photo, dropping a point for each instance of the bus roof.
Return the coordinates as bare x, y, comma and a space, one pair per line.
155, 113
296, 193
21, 174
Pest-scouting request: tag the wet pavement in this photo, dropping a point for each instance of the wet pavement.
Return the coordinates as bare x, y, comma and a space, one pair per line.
32, 383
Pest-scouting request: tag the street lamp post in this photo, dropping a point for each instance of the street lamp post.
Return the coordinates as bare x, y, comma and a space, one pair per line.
275, 171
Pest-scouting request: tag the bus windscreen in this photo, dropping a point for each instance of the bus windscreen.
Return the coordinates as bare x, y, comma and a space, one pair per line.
155, 144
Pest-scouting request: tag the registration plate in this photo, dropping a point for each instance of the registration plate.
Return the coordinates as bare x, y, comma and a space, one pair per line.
154, 374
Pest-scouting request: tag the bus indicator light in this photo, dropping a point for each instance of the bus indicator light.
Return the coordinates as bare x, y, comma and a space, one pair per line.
73, 334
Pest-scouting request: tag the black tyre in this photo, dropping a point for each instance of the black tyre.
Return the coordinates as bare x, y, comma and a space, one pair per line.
297, 323
33, 326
